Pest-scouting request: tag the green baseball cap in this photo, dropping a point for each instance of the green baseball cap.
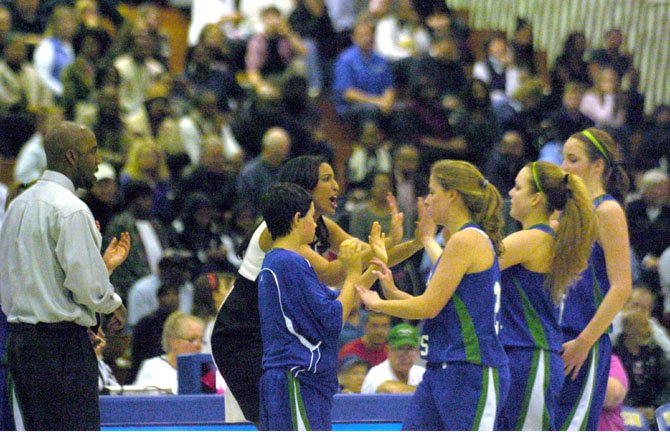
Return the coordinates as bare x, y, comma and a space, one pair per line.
403, 334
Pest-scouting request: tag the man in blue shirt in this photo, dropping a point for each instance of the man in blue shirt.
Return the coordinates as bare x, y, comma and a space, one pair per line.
301, 318
363, 84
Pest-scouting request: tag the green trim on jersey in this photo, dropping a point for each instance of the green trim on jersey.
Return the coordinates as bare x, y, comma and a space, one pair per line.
532, 318
470, 340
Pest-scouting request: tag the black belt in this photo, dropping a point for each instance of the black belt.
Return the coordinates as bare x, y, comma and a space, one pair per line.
57, 326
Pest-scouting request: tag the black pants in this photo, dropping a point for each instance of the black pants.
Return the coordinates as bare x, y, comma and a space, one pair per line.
55, 373
237, 347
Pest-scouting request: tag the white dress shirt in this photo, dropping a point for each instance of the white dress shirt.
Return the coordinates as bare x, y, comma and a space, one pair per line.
52, 270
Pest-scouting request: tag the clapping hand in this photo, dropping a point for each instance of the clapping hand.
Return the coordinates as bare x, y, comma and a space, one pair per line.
370, 298
385, 276
376, 239
397, 218
117, 252
351, 253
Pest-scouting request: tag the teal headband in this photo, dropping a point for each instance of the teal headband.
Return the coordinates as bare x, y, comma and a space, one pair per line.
595, 142
536, 178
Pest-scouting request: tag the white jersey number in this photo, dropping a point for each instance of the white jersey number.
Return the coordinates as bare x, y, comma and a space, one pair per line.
424, 345
497, 290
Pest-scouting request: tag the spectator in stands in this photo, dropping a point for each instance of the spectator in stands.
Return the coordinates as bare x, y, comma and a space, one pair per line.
223, 13
196, 231
106, 376
310, 20
617, 388
26, 18
89, 22
373, 345
209, 291
252, 11
527, 113
32, 159
146, 339
106, 121
424, 121
401, 36
205, 120
138, 70
55, 53
273, 55
182, 334
656, 143
441, 67
646, 364
410, 184
212, 178
611, 55
570, 66
568, 119
476, 122
147, 163
363, 86
5, 26
147, 238
375, 208
398, 373
174, 269
351, 372
649, 224
103, 197
497, 70
261, 172
149, 21
506, 160
225, 53
21, 90
642, 299
601, 103
371, 153
522, 47
203, 76
79, 77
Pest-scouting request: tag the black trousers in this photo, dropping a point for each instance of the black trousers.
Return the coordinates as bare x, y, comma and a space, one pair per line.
237, 346
55, 373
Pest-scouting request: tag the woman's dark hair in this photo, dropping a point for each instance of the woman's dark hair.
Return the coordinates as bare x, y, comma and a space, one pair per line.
303, 171
193, 203
203, 301
280, 204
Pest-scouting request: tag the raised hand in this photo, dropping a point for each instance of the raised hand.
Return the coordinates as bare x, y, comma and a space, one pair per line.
351, 253
385, 276
397, 218
370, 298
376, 239
117, 252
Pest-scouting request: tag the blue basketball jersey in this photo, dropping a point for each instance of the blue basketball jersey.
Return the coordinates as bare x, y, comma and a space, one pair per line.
466, 329
301, 319
585, 295
529, 316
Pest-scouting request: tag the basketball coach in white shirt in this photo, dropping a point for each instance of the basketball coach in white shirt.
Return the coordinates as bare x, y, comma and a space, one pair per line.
53, 281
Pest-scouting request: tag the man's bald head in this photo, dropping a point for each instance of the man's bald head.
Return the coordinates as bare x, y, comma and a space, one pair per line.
276, 145
71, 149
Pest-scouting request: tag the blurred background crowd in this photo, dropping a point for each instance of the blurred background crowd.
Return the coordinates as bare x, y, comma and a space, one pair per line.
197, 103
